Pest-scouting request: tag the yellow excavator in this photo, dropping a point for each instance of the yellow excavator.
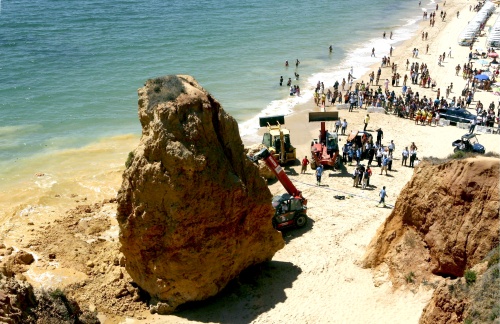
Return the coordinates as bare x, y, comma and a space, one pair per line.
277, 139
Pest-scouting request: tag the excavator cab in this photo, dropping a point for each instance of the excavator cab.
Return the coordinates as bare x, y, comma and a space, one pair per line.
277, 139
325, 150
289, 211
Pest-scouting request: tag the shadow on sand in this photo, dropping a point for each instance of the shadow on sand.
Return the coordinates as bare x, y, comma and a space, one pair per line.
291, 233
257, 290
340, 173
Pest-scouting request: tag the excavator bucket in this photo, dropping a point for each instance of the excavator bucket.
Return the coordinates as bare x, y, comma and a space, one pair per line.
272, 120
323, 116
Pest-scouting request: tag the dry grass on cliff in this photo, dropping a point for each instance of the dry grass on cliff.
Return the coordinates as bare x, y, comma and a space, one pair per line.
483, 294
164, 89
460, 155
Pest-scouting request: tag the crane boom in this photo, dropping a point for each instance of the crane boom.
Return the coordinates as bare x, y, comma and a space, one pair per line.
271, 162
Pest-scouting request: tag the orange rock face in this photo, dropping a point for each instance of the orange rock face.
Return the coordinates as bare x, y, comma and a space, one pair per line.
454, 209
192, 209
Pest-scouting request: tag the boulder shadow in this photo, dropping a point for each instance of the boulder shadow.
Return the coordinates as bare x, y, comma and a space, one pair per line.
257, 289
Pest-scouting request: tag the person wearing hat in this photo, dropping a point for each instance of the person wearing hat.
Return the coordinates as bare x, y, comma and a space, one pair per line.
367, 119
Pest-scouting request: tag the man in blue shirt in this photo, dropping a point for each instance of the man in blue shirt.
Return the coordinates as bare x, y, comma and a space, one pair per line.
319, 173
382, 194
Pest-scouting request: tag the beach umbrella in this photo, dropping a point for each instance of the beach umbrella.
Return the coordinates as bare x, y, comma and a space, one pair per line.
493, 54
481, 77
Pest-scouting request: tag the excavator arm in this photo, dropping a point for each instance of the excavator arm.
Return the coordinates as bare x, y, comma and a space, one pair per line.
274, 166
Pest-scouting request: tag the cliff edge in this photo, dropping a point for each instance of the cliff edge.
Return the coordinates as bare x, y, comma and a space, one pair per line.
445, 221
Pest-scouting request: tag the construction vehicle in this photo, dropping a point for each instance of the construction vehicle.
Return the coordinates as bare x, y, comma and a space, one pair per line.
468, 143
290, 208
359, 139
277, 139
325, 150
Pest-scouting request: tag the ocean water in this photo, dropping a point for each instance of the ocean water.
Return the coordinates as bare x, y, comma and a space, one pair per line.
69, 70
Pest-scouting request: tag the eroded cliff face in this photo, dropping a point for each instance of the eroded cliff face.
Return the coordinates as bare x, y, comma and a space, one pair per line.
192, 209
445, 220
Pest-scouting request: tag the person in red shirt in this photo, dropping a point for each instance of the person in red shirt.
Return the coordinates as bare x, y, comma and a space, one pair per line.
305, 162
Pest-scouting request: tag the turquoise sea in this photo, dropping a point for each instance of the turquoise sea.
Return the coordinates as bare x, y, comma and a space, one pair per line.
69, 70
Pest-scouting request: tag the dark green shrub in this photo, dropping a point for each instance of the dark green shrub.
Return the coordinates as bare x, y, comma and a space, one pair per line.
130, 158
410, 278
470, 277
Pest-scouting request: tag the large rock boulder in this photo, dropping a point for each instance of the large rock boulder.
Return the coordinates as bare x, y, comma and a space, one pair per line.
264, 170
192, 209
447, 218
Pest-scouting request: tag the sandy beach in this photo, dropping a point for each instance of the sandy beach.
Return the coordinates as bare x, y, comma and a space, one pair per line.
317, 277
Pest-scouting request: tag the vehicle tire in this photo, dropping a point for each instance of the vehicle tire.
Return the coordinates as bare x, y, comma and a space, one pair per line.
275, 224
455, 150
300, 220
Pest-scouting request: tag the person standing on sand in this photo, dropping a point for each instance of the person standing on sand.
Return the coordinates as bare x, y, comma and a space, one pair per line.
382, 195
304, 163
367, 119
380, 136
413, 155
391, 147
345, 151
385, 162
344, 126
472, 126
405, 154
319, 173
337, 125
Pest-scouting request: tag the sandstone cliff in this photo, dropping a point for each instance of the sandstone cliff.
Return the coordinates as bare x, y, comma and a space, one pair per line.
193, 211
445, 220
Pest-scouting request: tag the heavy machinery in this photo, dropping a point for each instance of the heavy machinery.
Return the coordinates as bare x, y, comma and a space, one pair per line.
325, 150
277, 139
359, 139
468, 143
290, 208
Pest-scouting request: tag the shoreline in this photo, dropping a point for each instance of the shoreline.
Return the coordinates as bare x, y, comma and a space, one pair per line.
444, 75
